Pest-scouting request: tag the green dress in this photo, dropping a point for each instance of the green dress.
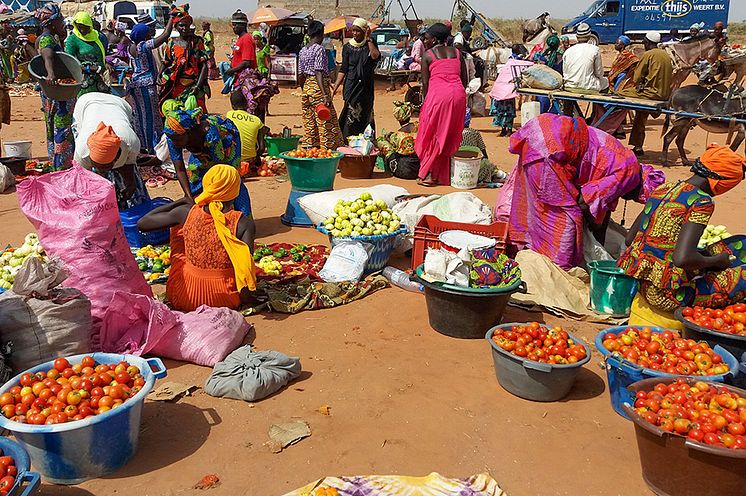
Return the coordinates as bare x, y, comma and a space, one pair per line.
262, 60
88, 53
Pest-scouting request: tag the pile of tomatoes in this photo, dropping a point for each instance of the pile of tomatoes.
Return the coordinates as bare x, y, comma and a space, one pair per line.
71, 392
311, 153
731, 319
8, 473
540, 344
702, 412
666, 351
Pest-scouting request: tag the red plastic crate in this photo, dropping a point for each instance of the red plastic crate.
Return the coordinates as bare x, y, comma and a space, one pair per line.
429, 227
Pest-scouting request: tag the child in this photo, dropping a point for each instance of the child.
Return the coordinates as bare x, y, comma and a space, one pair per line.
250, 128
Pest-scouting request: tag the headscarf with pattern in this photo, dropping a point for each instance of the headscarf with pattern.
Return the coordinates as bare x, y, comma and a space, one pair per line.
180, 121
181, 14
402, 111
222, 183
552, 44
47, 14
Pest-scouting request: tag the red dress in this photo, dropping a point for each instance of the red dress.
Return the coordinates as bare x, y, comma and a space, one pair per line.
441, 120
201, 271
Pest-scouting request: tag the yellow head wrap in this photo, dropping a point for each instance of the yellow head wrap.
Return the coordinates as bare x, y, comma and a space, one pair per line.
221, 183
84, 19
362, 24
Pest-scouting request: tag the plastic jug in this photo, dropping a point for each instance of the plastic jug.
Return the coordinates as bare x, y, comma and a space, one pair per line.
529, 110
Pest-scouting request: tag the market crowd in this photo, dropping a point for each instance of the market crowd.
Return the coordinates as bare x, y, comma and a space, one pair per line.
571, 172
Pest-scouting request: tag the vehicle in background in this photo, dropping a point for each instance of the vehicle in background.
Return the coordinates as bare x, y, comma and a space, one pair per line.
286, 39
609, 19
387, 36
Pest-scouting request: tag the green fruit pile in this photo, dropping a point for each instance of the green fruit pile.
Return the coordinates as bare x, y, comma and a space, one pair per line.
362, 217
712, 235
11, 259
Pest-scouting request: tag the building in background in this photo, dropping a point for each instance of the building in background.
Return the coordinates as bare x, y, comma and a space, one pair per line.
326, 10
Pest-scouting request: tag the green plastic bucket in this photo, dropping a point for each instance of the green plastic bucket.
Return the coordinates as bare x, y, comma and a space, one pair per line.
612, 291
312, 174
276, 146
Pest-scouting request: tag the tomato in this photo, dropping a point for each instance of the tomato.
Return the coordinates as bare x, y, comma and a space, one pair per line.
88, 361
9, 410
711, 438
682, 425
736, 429
27, 379
61, 364
12, 471
74, 397
6, 399
696, 434
6, 483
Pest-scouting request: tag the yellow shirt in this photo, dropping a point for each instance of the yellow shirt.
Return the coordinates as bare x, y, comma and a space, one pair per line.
248, 127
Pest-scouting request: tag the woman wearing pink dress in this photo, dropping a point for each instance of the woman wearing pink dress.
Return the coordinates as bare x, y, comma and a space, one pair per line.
442, 115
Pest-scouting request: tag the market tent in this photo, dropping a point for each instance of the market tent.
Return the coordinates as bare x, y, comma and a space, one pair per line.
343, 22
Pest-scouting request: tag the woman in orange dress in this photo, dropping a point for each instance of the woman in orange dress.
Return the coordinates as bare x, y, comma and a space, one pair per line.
211, 245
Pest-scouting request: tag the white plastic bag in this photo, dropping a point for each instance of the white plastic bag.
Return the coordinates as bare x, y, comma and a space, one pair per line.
592, 249
346, 262
445, 266
7, 179
319, 206
455, 207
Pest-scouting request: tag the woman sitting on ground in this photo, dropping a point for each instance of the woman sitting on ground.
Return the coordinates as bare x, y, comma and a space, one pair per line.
663, 253
211, 245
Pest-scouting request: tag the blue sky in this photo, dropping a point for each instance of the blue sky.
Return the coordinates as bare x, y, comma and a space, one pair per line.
442, 8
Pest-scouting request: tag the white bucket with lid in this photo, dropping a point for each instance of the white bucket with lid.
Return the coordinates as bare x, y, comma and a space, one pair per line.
529, 110
465, 169
19, 149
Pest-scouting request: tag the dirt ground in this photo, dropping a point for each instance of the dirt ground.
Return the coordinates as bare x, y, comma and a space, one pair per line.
404, 399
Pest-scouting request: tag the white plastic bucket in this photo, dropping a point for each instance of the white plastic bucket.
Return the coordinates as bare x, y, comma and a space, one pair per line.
20, 149
465, 169
529, 110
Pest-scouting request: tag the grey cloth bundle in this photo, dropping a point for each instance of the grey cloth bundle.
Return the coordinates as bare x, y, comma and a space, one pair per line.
251, 376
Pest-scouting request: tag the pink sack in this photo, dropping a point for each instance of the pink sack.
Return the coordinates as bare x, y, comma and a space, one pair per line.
135, 323
141, 325
206, 336
76, 216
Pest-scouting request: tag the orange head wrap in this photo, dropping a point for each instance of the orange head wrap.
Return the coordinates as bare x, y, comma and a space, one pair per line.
726, 164
103, 144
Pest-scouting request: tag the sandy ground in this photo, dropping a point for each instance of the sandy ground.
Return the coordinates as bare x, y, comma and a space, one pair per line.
404, 399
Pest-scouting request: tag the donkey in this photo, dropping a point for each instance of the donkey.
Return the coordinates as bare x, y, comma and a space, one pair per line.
708, 101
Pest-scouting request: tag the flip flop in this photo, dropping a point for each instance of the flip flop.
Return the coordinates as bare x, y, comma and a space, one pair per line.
427, 184
151, 183
160, 180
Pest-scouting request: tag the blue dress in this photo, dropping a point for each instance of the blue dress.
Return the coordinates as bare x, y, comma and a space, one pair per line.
144, 93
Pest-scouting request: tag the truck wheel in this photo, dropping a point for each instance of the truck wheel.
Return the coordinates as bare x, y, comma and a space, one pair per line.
479, 43
593, 39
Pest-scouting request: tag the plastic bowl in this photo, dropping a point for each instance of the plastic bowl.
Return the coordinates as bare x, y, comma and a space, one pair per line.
620, 373
74, 452
27, 482
278, 145
383, 245
677, 466
65, 66
312, 174
464, 312
535, 381
732, 342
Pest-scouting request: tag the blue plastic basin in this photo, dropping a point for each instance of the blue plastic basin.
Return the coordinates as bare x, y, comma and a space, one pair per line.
621, 373
74, 452
27, 482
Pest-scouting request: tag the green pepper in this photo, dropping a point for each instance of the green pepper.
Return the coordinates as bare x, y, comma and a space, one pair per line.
307, 258
297, 257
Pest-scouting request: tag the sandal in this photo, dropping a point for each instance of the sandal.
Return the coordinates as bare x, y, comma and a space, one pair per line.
161, 181
427, 184
151, 183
